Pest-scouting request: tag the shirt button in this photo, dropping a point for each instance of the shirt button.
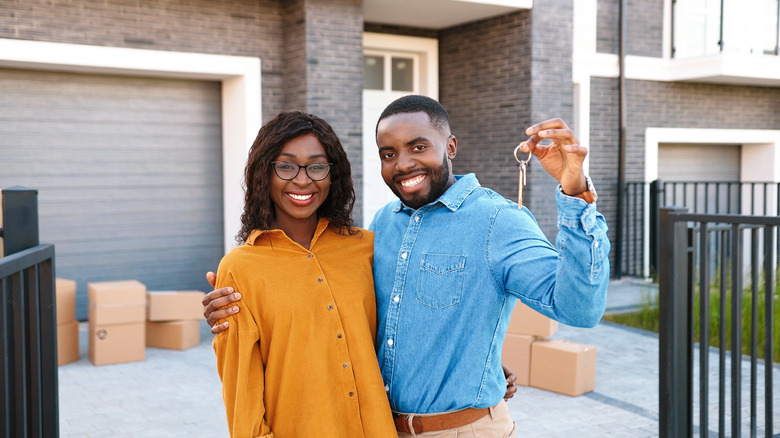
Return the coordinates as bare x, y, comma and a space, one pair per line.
346, 365
339, 336
396, 299
319, 280
390, 342
596, 244
330, 307
417, 218
387, 387
403, 256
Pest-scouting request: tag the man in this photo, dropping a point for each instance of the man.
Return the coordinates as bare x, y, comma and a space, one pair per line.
450, 260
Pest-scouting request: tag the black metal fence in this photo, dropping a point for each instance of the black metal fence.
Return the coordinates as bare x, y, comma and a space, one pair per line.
639, 252
742, 246
28, 342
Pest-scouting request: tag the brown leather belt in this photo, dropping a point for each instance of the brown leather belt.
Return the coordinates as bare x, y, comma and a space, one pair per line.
431, 423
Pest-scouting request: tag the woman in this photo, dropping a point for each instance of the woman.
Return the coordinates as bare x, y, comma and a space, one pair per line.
299, 359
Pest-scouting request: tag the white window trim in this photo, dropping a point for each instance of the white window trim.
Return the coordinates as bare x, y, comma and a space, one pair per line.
241, 94
426, 48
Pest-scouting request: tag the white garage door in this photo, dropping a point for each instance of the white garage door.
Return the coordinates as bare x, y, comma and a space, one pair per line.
128, 172
716, 164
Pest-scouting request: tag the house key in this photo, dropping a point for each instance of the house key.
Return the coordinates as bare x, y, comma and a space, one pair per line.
523, 170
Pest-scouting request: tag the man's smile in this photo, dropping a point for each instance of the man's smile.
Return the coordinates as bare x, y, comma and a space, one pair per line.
411, 182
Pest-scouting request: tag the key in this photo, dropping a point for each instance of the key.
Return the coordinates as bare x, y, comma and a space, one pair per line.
523, 167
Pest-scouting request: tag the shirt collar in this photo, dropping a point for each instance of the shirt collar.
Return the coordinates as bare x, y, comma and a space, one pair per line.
255, 234
454, 196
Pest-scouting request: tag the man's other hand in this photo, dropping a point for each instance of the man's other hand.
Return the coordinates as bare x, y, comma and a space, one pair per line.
216, 305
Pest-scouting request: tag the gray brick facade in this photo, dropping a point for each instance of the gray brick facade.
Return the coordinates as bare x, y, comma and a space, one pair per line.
645, 27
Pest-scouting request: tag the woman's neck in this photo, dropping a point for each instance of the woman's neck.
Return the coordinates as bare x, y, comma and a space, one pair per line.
299, 230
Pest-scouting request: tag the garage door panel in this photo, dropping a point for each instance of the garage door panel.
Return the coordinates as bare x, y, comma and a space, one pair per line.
128, 172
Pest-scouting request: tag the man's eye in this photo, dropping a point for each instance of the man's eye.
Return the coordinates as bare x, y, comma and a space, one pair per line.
419, 147
387, 156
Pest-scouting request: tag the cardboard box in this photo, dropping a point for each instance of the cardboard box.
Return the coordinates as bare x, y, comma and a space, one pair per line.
65, 292
67, 342
175, 335
564, 367
116, 302
117, 328
117, 343
174, 305
516, 355
526, 321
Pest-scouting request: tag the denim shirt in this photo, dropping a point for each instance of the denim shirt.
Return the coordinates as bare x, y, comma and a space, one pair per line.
448, 275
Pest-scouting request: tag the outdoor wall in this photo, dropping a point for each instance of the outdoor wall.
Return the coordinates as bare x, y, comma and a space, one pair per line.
645, 24
487, 96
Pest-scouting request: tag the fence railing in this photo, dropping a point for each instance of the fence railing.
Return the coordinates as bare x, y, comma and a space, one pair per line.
639, 252
739, 244
28, 344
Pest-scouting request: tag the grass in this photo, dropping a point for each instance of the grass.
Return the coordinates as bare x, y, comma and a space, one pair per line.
646, 318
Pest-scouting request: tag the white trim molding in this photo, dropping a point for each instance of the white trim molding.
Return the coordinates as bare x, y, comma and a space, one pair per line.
241, 94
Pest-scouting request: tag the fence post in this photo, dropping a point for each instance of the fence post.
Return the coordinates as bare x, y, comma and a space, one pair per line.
675, 385
656, 189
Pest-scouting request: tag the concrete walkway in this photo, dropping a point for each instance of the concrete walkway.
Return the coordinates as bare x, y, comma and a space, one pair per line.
178, 393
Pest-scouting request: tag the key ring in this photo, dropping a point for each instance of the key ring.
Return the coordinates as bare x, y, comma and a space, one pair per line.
527, 160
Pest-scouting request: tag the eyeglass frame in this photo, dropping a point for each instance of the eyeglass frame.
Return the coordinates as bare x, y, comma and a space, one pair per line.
306, 167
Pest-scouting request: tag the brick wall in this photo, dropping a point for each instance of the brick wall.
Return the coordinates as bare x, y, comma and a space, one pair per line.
487, 95
552, 94
645, 27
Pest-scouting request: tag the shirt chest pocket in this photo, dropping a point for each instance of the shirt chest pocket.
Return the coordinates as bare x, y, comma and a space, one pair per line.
440, 283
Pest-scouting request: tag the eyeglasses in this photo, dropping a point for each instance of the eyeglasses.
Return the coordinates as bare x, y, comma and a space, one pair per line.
287, 170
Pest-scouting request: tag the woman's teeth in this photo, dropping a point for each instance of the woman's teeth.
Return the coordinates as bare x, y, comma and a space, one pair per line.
301, 197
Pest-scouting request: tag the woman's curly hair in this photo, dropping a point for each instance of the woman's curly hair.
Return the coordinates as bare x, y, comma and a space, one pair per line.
259, 211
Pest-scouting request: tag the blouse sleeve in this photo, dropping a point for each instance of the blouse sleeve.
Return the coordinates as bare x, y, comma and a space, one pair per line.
240, 368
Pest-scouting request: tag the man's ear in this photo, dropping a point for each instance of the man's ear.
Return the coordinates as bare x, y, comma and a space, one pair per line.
452, 147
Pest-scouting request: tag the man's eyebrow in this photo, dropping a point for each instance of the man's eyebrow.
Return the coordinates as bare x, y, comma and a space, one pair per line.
417, 140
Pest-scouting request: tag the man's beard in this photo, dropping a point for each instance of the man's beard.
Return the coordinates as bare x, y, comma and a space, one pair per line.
438, 185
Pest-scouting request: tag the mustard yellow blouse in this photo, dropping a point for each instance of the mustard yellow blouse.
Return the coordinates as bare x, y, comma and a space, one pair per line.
298, 360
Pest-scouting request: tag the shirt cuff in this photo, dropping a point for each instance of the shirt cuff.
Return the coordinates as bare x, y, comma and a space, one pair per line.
574, 212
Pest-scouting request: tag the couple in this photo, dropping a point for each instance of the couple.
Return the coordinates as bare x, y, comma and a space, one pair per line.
448, 262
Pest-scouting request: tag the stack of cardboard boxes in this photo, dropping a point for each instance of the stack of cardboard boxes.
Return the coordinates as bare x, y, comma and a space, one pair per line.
67, 326
173, 319
552, 364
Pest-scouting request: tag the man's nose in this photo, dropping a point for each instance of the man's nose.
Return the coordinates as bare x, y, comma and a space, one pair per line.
405, 161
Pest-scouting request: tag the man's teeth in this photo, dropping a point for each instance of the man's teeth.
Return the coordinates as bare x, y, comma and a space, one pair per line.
301, 197
413, 182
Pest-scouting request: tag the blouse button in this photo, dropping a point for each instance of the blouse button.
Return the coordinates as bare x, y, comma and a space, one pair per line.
308, 256
351, 394
330, 307
346, 365
339, 336
319, 280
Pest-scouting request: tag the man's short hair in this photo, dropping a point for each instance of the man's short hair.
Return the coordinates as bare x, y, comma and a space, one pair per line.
414, 104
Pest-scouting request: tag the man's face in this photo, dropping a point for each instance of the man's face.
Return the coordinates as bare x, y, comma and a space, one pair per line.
415, 157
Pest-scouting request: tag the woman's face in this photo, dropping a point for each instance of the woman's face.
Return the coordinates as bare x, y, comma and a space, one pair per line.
299, 198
